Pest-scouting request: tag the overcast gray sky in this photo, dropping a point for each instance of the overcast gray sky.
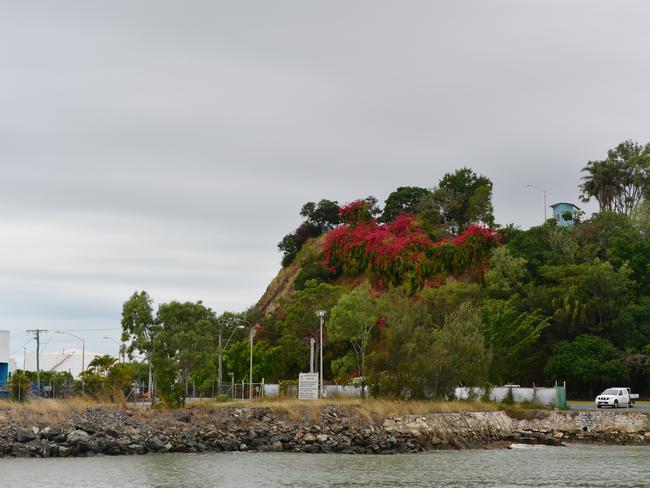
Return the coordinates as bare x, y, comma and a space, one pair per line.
168, 146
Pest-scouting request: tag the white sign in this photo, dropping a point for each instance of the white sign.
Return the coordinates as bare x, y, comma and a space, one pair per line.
308, 386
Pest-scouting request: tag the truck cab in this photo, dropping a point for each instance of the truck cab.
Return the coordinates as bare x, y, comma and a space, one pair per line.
619, 396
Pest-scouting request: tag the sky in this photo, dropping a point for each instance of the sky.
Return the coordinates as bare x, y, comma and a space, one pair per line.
168, 146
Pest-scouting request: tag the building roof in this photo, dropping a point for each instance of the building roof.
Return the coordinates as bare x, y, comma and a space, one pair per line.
553, 205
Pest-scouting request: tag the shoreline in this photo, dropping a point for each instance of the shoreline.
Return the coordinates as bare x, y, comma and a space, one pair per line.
328, 429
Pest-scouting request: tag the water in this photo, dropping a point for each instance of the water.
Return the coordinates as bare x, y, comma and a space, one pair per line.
574, 466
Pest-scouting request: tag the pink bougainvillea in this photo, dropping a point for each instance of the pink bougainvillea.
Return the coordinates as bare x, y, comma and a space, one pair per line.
402, 251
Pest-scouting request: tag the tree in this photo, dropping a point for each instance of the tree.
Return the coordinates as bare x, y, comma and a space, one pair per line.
292, 243
138, 325
404, 199
631, 330
20, 386
463, 198
587, 363
507, 273
400, 365
324, 214
587, 297
139, 328
460, 356
184, 341
353, 319
621, 181
513, 337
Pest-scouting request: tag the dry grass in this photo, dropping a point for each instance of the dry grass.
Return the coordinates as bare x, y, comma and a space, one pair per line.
43, 411
372, 410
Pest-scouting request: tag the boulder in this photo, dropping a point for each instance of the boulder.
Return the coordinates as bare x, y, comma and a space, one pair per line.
23, 435
77, 437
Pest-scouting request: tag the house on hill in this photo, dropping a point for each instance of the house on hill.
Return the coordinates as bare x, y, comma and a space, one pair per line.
564, 213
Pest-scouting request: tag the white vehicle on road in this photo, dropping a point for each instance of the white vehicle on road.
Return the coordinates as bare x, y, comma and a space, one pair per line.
619, 396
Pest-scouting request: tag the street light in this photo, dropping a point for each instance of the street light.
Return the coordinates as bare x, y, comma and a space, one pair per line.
220, 357
544, 192
321, 315
120, 353
83, 356
250, 366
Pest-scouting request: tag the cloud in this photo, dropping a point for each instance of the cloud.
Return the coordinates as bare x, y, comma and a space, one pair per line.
168, 146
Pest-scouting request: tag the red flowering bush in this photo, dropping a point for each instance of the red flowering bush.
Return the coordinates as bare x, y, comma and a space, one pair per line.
355, 213
402, 252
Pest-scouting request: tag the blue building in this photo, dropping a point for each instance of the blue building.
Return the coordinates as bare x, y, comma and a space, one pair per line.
564, 213
4, 363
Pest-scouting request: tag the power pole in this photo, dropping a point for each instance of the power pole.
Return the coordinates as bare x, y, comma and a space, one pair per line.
37, 334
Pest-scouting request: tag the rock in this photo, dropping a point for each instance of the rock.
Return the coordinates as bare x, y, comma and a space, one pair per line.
77, 437
558, 435
309, 437
23, 435
50, 432
155, 444
243, 447
87, 426
322, 438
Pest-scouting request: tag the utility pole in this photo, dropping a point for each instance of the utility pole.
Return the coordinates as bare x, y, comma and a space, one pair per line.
37, 334
321, 315
220, 359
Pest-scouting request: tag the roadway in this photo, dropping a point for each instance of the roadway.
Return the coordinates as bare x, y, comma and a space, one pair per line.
638, 407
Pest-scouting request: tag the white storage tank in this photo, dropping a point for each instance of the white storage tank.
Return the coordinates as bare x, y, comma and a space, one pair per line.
4, 346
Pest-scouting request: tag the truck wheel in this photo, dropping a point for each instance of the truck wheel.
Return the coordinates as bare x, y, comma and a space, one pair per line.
599, 406
615, 404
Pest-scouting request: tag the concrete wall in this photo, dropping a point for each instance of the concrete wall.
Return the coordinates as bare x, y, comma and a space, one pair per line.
541, 395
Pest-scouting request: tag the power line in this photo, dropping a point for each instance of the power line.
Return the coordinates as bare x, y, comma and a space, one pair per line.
21, 347
90, 330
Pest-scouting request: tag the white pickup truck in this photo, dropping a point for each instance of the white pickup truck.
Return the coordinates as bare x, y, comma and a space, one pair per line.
619, 396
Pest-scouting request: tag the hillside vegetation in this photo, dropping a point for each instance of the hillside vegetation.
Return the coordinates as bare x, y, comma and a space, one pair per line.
429, 292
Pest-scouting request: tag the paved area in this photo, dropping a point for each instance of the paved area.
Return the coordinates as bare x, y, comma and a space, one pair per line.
640, 407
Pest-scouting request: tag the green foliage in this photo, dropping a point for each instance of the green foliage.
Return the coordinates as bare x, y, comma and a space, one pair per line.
324, 214
621, 182
138, 325
463, 198
353, 319
459, 352
507, 274
404, 199
20, 386
587, 363
185, 339
587, 297
513, 337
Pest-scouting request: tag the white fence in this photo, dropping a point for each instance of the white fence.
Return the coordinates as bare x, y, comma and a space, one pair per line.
541, 395
332, 390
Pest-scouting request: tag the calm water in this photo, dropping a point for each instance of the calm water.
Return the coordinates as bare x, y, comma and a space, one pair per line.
525, 466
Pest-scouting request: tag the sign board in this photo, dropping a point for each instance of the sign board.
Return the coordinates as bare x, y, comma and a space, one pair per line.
308, 386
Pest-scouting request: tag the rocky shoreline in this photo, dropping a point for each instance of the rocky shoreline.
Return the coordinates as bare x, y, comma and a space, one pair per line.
107, 431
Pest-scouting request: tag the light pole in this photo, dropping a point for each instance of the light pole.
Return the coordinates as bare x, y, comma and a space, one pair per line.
250, 366
544, 192
321, 316
120, 353
83, 356
220, 356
